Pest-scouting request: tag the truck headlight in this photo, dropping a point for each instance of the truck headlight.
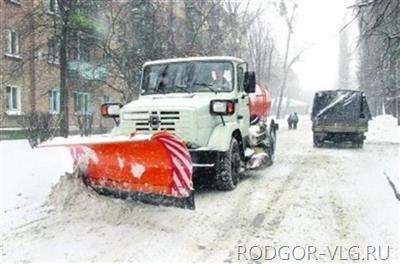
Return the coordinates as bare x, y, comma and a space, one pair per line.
222, 107
110, 109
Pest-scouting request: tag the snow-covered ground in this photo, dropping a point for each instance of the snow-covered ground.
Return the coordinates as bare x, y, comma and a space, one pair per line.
323, 198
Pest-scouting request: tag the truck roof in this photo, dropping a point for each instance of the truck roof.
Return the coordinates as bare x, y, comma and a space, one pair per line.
339, 105
213, 58
338, 90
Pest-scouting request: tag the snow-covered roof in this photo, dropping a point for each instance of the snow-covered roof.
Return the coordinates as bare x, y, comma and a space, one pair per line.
210, 58
339, 90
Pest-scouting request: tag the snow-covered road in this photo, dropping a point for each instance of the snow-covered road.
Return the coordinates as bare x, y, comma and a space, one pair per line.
324, 199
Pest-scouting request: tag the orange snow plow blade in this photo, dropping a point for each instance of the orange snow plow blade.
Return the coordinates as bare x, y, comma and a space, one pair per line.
155, 170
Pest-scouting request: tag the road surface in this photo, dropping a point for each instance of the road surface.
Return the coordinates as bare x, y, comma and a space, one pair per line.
321, 202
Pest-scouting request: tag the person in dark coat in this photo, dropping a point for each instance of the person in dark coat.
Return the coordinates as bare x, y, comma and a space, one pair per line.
292, 120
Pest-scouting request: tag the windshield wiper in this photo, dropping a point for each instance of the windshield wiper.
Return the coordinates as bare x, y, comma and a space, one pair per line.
209, 86
161, 84
183, 88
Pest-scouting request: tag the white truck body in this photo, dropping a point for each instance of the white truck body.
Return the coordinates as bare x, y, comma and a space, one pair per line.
205, 102
188, 114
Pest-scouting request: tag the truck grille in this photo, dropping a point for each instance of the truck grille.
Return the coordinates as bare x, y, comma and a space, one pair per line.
166, 120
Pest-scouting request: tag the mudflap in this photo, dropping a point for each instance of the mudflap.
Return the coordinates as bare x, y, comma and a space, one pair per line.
156, 170
262, 155
258, 160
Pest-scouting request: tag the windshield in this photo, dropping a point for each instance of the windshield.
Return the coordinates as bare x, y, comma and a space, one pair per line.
187, 77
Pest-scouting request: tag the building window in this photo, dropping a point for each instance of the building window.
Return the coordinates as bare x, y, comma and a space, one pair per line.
106, 99
12, 42
52, 6
54, 101
53, 50
13, 100
17, 2
82, 103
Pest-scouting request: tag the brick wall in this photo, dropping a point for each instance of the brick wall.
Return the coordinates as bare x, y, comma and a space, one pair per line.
32, 73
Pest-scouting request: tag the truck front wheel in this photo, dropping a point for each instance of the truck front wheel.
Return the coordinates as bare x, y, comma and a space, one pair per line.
228, 169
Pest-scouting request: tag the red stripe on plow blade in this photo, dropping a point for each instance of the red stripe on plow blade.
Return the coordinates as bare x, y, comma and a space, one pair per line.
182, 165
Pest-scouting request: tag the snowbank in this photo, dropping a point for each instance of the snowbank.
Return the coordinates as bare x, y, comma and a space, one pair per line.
71, 195
383, 128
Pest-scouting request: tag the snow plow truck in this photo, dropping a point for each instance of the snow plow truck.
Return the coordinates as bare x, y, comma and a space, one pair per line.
194, 116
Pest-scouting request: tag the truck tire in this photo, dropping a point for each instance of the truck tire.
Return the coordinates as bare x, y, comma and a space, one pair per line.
271, 150
317, 141
273, 128
358, 140
227, 174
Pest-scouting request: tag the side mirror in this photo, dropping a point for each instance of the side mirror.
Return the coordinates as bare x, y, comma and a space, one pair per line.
249, 82
110, 109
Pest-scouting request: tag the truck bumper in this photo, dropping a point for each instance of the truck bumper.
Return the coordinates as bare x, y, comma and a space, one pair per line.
333, 129
339, 136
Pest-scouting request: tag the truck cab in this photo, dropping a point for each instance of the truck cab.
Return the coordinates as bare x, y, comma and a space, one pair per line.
204, 101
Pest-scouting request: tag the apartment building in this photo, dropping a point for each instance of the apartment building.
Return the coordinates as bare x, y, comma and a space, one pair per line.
30, 69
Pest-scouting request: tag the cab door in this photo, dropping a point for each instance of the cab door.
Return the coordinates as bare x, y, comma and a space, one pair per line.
243, 116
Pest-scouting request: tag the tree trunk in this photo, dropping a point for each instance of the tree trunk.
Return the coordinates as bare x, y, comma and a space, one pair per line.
64, 124
32, 62
285, 73
171, 36
397, 91
270, 64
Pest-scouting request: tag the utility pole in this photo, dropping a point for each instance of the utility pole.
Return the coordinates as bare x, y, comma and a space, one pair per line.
289, 23
397, 93
344, 55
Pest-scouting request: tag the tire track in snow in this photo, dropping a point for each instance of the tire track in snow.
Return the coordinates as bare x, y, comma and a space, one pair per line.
264, 231
270, 210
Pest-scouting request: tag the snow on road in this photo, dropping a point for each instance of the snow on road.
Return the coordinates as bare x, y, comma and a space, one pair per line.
26, 178
310, 197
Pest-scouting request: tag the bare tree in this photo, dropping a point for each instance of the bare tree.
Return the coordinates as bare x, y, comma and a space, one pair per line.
147, 30
241, 21
261, 47
54, 26
379, 46
40, 126
127, 43
289, 18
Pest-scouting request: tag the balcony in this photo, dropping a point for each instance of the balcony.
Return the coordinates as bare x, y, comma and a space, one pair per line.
86, 70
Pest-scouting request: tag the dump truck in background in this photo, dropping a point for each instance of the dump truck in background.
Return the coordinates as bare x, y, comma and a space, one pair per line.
340, 116
195, 116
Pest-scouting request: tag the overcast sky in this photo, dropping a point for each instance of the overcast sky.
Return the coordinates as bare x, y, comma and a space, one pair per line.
318, 24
